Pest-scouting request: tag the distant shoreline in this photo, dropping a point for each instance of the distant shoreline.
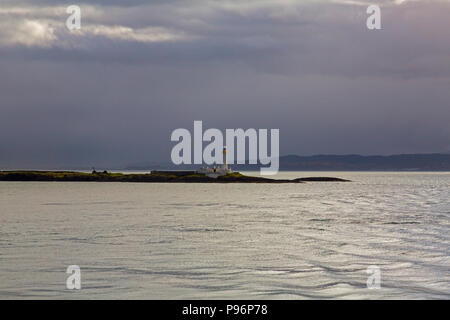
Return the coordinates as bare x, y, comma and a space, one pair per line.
158, 177
433, 162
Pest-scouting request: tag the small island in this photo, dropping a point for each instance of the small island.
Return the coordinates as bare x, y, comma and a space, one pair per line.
154, 176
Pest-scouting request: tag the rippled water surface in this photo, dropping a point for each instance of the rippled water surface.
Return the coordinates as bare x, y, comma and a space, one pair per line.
252, 241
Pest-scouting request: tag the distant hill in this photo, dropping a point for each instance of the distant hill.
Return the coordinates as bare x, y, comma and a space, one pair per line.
401, 162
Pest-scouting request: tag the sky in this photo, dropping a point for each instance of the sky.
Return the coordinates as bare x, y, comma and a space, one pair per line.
111, 93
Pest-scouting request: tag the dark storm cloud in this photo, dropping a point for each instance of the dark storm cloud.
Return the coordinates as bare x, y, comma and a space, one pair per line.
113, 93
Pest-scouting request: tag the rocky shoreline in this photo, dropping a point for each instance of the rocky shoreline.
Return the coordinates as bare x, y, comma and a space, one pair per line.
71, 176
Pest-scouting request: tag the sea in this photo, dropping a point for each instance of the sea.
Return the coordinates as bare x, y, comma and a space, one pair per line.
384, 235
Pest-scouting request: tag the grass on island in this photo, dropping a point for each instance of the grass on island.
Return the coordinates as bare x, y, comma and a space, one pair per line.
102, 176
143, 177
233, 175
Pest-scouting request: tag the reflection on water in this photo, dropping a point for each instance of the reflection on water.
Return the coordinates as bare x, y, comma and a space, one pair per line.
311, 240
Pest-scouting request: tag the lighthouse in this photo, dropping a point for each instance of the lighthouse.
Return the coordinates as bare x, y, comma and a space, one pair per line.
224, 153
217, 171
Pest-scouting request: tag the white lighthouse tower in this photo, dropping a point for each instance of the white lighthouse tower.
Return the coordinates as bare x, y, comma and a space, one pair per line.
217, 171
225, 165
